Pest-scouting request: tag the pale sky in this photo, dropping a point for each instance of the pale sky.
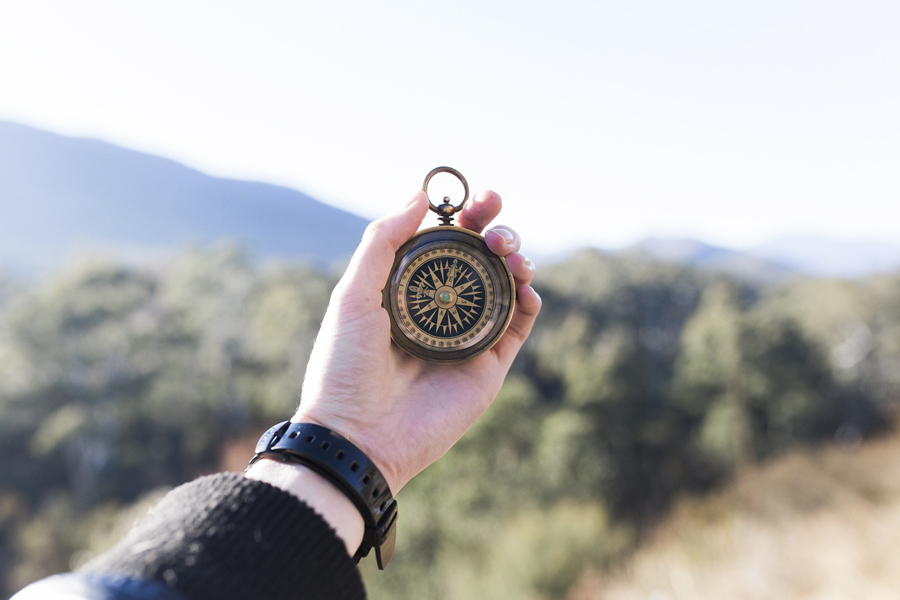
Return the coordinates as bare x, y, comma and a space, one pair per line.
599, 123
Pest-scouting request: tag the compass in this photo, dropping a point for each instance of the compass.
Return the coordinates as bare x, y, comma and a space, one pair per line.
449, 297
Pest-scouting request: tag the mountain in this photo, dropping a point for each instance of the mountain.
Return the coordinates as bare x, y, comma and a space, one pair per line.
707, 257
825, 258
776, 260
60, 194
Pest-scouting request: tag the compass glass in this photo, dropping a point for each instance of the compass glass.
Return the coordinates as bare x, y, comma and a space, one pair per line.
450, 297
444, 300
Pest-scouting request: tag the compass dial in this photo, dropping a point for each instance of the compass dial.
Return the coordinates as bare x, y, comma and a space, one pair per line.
450, 298
443, 299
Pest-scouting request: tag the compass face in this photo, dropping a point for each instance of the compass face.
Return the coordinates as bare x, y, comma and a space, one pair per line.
450, 298
444, 300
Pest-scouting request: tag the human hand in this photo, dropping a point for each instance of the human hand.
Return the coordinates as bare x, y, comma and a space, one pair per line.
402, 412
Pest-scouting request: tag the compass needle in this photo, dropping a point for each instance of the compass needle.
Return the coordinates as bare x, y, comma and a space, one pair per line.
451, 277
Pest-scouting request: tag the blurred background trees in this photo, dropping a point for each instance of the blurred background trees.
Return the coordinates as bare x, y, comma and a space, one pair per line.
642, 382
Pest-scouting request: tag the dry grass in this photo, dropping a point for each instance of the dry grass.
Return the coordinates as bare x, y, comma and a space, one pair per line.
811, 525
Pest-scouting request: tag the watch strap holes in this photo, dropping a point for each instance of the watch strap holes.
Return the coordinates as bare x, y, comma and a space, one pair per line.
354, 466
293, 435
325, 445
382, 507
339, 455
310, 439
366, 480
376, 492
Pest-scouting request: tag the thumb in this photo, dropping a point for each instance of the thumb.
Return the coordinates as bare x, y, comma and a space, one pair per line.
371, 263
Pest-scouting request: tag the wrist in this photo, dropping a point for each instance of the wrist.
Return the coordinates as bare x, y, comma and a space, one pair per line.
316, 492
348, 469
361, 440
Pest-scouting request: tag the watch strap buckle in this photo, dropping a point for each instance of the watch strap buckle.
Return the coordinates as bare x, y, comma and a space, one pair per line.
383, 538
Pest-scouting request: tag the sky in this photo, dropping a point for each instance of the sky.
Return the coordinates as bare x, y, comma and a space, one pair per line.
599, 123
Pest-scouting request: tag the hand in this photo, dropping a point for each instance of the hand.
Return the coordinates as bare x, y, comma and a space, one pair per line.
402, 412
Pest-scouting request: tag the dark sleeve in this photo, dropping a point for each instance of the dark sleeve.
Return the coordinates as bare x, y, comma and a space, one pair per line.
91, 586
227, 536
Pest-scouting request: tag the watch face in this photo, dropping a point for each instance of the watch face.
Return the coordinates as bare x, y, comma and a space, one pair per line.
450, 298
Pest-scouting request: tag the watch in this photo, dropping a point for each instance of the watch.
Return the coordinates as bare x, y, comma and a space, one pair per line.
336, 459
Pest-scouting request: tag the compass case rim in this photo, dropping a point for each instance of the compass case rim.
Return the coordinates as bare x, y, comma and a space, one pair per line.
504, 284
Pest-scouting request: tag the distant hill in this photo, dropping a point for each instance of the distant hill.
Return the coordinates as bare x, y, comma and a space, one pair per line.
775, 260
711, 258
825, 258
60, 194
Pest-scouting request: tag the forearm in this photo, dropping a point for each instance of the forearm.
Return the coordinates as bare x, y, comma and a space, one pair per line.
281, 528
230, 536
317, 493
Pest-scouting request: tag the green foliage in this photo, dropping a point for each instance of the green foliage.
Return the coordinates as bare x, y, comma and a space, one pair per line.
114, 381
641, 381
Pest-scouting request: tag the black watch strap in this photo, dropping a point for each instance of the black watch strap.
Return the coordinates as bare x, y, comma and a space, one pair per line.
336, 459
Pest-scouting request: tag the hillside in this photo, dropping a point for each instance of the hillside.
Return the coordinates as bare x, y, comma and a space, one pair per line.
776, 260
813, 524
60, 194
642, 383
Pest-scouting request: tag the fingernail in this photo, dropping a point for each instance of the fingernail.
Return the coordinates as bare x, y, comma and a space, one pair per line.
507, 236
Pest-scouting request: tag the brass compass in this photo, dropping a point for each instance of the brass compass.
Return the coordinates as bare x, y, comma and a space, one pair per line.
449, 297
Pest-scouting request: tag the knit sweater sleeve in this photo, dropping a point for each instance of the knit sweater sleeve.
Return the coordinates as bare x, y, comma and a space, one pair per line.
227, 536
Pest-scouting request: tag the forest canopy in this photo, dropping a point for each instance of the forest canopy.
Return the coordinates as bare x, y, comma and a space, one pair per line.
642, 381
